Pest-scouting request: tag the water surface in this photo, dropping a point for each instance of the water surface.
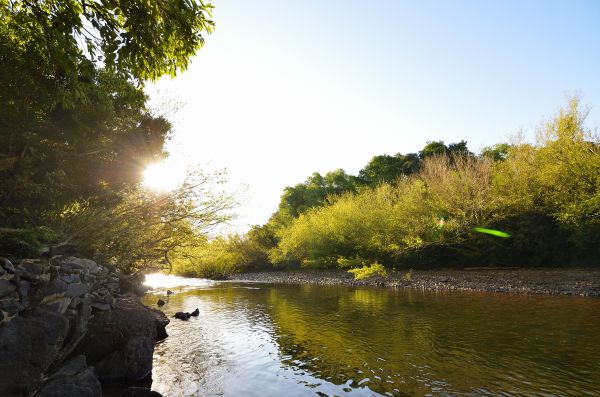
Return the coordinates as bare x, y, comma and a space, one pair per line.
308, 340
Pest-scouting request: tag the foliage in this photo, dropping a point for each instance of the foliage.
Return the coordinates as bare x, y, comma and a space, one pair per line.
545, 196
144, 228
374, 270
387, 168
77, 135
498, 152
219, 257
143, 40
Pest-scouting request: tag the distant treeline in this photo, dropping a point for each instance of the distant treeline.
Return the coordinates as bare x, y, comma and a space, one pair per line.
420, 210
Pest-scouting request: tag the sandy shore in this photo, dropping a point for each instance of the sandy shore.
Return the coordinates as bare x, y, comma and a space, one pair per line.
578, 282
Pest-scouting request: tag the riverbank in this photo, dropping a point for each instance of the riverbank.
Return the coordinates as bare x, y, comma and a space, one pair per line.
72, 327
576, 282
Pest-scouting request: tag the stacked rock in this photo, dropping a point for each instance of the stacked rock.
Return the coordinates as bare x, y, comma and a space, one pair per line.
68, 324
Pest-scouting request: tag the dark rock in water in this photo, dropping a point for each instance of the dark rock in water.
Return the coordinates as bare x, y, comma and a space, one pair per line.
28, 345
182, 316
161, 302
120, 343
74, 378
169, 292
195, 313
6, 287
140, 392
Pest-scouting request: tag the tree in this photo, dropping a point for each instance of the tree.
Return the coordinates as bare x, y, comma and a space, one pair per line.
386, 168
145, 229
74, 128
142, 39
498, 152
433, 148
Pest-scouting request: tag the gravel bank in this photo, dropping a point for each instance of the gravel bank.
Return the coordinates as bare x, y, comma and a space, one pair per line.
578, 282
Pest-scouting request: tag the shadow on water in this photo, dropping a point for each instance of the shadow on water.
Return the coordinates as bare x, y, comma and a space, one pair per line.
278, 340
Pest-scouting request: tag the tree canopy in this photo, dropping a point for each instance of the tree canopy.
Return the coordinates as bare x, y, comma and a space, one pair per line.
142, 39
77, 134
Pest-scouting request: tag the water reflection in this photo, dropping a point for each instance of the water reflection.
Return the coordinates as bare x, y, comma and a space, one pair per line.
266, 340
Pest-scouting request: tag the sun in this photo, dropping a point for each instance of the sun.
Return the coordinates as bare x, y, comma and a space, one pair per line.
163, 176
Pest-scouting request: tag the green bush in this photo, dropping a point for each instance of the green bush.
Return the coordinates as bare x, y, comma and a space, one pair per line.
369, 271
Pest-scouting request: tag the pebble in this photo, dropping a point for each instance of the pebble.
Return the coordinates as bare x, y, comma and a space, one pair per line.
529, 281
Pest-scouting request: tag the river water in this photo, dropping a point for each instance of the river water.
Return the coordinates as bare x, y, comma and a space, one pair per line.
307, 340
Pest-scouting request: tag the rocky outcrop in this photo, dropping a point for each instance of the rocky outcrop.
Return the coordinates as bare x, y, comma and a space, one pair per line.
74, 378
120, 342
68, 323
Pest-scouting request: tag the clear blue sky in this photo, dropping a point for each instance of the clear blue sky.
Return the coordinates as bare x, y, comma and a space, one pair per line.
283, 89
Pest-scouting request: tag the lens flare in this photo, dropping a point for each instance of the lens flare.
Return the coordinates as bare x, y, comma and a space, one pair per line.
492, 232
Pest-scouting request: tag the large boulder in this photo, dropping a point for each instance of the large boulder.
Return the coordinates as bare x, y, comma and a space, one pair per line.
74, 378
28, 346
120, 343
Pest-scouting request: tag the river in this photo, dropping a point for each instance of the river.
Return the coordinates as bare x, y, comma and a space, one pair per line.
254, 339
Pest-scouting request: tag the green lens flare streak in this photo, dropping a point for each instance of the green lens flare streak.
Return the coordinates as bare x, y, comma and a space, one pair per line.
493, 232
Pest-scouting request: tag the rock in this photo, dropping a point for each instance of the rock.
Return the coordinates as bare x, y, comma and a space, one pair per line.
26, 275
161, 302
182, 316
56, 303
6, 287
100, 306
77, 289
33, 267
7, 265
133, 361
120, 343
169, 292
11, 304
28, 345
74, 378
160, 321
78, 326
139, 392
195, 313
24, 288
71, 264
71, 278
133, 284
55, 286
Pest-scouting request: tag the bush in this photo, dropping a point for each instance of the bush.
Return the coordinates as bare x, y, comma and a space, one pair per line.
369, 271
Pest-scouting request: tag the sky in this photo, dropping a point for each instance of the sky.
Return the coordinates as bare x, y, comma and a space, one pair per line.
283, 89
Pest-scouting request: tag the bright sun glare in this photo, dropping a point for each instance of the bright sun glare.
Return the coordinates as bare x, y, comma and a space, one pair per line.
163, 176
